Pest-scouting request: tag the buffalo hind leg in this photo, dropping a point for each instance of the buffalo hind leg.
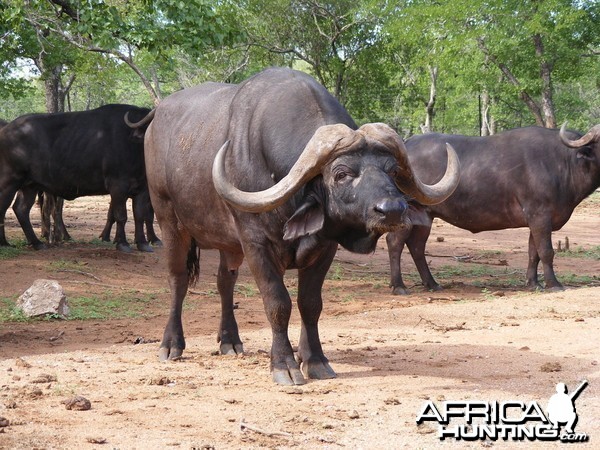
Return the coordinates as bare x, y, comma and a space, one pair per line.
51, 209
183, 259
22, 207
148, 213
314, 364
228, 336
118, 205
110, 220
416, 245
140, 205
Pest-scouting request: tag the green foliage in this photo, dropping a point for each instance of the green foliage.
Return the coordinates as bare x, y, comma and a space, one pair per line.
375, 56
15, 250
9, 312
104, 306
109, 305
581, 252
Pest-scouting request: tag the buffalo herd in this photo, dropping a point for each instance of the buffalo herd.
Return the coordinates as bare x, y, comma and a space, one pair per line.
275, 171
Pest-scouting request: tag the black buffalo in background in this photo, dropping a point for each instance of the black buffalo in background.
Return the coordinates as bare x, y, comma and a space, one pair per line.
529, 177
72, 155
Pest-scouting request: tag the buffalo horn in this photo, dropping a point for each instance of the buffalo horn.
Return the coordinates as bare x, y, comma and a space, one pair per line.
592, 135
146, 120
407, 180
327, 142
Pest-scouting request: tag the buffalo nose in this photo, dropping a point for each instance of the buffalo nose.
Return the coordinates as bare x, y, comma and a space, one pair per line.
393, 209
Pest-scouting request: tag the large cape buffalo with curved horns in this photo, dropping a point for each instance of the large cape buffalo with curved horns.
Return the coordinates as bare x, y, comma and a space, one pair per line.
72, 155
291, 178
528, 177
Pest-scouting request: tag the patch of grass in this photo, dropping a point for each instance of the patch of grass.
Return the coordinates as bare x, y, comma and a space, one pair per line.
247, 290
108, 305
62, 390
580, 252
9, 311
104, 306
100, 243
336, 272
482, 275
15, 250
63, 264
572, 279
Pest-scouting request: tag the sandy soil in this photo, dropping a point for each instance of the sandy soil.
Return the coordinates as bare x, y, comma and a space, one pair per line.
480, 339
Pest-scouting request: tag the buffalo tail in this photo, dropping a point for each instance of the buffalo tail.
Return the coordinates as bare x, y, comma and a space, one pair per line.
193, 263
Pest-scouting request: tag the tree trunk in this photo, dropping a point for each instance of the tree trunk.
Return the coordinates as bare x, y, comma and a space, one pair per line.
546, 76
50, 205
484, 114
430, 105
533, 107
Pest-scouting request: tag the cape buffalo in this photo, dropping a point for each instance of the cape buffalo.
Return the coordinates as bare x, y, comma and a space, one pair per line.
72, 155
292, 179
529, 177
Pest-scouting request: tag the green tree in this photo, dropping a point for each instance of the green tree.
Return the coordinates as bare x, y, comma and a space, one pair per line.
142, 34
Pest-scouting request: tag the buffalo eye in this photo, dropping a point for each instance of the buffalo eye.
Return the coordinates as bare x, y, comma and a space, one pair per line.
394, 172
340, 173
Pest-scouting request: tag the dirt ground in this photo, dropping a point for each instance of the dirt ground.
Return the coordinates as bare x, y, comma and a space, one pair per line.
483, 338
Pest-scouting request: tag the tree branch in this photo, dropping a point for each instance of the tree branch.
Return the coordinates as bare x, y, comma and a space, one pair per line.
523, 94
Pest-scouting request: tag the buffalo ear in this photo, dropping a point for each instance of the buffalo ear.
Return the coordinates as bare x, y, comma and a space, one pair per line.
308, 219
585, 153
418, 215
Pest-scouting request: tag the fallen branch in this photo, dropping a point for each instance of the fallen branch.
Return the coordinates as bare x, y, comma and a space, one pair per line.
111, 286
80, 272
247, 426
443, 329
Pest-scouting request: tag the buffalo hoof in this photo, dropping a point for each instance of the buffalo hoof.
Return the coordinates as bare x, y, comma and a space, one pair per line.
125, 248
434, 288
536, 287
165, 354
231, 349
39, 246
157, 243
290, 377
400, 290
144, 247
318, 370
558, 288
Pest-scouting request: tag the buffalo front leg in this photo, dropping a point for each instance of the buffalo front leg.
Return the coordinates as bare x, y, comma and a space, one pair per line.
532, 265
228, 336
395, 245
22, 207
7, 194
314, 364
268, 274
540, 249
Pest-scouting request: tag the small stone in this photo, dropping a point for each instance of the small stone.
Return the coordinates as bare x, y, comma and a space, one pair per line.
78, 403
353, 414
551, 367
4, 422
